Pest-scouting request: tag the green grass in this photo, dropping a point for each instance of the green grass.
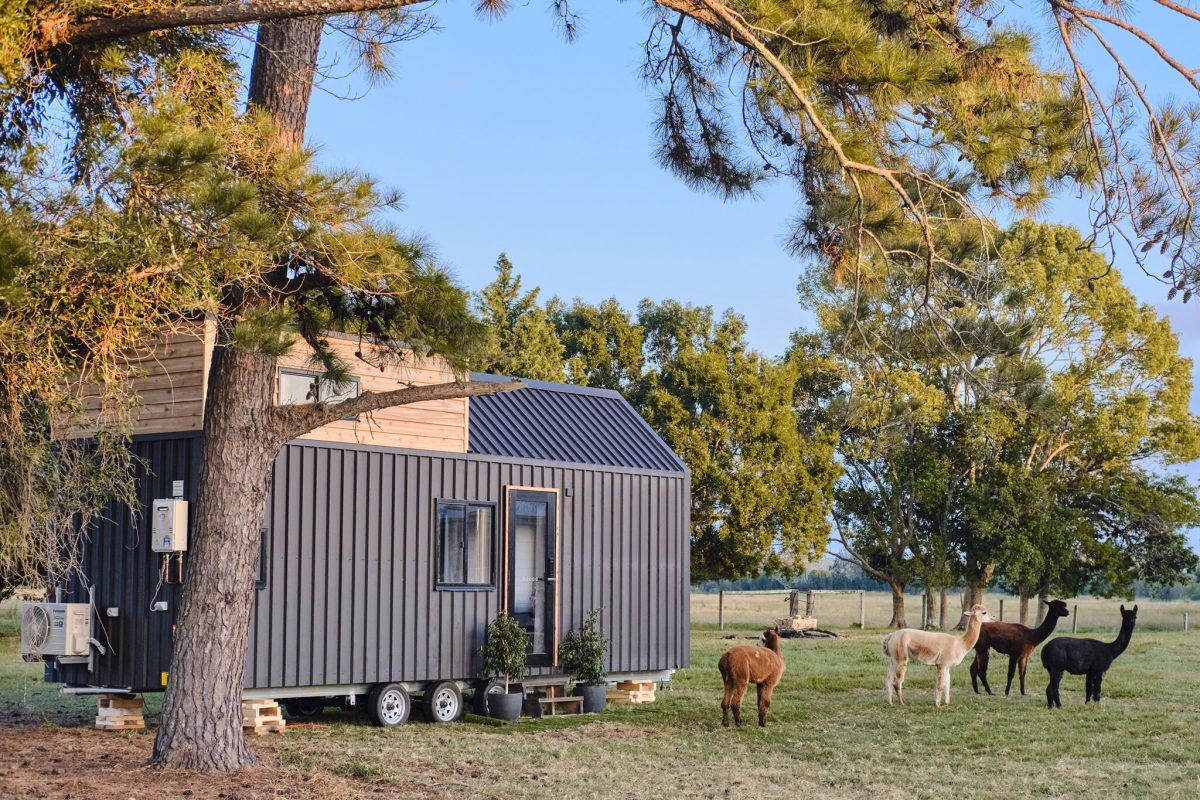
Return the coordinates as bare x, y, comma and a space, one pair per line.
831, 734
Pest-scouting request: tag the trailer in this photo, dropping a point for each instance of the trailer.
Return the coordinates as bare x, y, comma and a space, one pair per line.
390, 541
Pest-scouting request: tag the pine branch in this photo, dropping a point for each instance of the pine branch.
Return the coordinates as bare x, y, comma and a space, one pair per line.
296, 420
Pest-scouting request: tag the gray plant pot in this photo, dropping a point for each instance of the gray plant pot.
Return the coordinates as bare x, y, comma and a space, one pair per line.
505, 706
594, 697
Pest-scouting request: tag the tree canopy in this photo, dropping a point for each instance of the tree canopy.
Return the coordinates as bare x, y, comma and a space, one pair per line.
761, 472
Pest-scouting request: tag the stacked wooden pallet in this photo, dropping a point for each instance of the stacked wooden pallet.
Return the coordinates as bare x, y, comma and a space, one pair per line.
796, 623
262, 716
632, 692
555, 701
115, 712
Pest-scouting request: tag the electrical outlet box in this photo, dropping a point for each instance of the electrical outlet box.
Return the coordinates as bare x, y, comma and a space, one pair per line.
168, 528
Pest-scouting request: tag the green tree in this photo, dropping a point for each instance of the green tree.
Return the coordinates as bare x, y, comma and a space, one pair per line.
972, 428
521, 340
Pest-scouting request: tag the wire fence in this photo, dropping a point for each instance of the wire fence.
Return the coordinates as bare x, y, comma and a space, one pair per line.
845, 609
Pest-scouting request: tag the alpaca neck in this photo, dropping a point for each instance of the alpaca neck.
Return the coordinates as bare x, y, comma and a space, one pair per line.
974, 623
1043, 631
774, 646
1118, 645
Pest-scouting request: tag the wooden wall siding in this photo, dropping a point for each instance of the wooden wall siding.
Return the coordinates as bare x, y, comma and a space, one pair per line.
350, 594
439, 425
171, 382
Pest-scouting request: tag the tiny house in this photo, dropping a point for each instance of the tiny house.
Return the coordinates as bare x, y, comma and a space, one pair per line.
390, 541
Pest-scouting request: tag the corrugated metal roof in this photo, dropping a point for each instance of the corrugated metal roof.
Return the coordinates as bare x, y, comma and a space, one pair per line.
560, 422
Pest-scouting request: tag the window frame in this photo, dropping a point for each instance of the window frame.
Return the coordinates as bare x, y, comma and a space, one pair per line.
316, 378
446, 586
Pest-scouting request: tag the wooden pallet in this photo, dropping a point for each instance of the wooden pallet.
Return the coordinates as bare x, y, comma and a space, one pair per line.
557, 702
796, 623
632, 692
262, 716
116, 712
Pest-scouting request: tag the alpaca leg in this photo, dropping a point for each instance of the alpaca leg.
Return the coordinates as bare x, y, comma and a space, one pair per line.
1096, 686
901, 668
1089, 683
764, 702
1012, 670
891, 680
739, 692
944, 683
725, 706
979, 668
1022, 664
1052, 698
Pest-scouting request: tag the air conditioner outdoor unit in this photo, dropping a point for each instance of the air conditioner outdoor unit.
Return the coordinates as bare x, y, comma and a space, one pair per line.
55, 629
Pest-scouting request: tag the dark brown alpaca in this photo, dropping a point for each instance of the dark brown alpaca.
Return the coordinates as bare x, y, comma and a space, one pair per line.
1015, 641
741, 666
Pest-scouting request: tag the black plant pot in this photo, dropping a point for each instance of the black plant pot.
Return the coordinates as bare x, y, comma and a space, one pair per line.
593, 696
505, 706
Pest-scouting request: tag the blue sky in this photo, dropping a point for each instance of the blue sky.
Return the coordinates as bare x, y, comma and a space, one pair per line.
503, 137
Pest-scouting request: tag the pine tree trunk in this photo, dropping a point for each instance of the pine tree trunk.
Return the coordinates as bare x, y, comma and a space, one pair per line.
281, 81
202, 714
897, 606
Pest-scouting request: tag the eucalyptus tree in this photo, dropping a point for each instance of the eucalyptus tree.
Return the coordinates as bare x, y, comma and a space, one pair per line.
974, 433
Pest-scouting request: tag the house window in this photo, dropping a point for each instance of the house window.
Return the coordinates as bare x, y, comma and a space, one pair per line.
465, 544
297, 387
260, 575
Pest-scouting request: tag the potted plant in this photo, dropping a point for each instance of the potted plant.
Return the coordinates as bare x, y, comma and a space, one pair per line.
504, 653
581, 654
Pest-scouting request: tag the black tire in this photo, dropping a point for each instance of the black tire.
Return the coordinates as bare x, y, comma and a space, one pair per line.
304, 706
388, 705
443, 702
482, 690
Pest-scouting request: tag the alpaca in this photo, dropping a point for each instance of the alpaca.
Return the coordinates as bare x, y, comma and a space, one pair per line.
1015, 641
1085, 657
928, 647
742, 665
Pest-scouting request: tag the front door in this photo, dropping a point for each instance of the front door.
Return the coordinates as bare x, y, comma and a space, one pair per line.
532, 569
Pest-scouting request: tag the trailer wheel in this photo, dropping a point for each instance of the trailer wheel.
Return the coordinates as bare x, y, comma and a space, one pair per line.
388, 705
479, 700
443, 702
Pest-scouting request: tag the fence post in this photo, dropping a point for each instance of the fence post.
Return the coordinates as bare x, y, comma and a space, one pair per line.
1075, 619
721, 610
862, 610
1002, 609
1185, 622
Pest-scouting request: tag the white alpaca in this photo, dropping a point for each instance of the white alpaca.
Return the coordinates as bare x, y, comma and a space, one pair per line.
929, 647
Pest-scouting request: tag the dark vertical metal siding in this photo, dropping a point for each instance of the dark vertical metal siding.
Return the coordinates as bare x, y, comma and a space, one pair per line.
350, 594
118, 563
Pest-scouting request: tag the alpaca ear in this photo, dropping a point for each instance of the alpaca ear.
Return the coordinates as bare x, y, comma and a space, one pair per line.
1135, 608
1122, 608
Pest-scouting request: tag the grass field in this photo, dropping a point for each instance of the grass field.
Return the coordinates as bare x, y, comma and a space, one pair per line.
831, 734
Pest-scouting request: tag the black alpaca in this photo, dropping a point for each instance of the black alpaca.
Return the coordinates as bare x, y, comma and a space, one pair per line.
1085, 657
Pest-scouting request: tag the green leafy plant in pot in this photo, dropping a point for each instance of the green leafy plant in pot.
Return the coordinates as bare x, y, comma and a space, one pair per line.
504, 654
581, 654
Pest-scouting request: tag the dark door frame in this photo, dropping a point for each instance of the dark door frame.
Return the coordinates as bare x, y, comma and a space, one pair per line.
512, 493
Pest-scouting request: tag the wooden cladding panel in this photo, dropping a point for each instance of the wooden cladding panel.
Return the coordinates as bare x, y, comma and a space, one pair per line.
439, 425
171, 382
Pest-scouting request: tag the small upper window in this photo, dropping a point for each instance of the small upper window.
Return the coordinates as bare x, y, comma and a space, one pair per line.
465, 537
296, 387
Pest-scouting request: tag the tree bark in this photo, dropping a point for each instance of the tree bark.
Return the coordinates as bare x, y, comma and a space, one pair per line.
942, 609
202, 715
1025, 595
202, 711
897, 606
281, 80
1042, 605
928, 621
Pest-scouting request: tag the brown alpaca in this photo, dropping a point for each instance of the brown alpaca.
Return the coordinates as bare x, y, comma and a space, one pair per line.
748, 664
1015, 641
